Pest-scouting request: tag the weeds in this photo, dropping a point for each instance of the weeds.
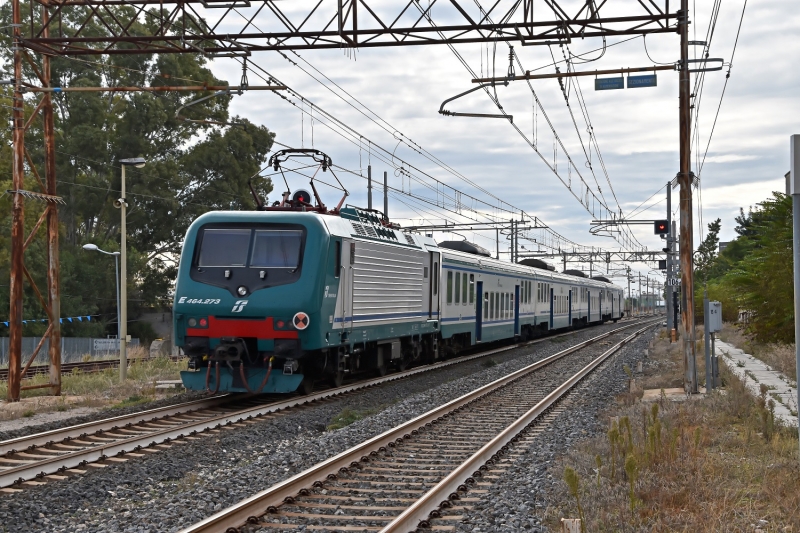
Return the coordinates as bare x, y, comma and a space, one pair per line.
348, 416
721, 463
489, 363
100, 388
573, 483
28, 413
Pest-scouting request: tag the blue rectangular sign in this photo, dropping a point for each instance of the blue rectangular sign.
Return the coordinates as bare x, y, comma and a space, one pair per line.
605, 84
648, 80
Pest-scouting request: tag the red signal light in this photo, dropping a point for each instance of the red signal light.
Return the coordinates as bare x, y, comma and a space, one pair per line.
280, 324
661, 227
203, 323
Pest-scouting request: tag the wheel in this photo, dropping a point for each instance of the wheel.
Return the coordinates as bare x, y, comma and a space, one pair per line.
337, 379
382, 370
306, 386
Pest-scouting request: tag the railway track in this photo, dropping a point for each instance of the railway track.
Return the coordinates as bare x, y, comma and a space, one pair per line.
49, 456
425, 472
83, 366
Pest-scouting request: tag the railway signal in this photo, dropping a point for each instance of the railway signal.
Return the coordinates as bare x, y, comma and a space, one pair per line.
661, 227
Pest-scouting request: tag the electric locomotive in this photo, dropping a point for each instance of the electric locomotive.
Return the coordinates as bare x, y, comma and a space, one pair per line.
274, 300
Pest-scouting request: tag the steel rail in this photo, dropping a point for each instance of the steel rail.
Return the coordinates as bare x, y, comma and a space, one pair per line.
249, 509
40, 439
72, 432
99, 452
418, 514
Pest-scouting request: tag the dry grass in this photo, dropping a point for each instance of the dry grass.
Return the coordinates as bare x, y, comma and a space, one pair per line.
104, 388
780, 357
721, 463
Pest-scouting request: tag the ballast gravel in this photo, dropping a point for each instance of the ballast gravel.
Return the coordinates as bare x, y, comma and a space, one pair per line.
173, 489
517, 501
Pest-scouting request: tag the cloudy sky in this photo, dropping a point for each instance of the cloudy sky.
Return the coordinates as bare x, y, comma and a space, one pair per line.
393, 91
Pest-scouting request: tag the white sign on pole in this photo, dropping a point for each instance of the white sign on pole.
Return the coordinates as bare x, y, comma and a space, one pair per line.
714, 317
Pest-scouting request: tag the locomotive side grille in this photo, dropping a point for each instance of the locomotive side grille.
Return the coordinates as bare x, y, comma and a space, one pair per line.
387, 281
359, 229
409, 239
371, 231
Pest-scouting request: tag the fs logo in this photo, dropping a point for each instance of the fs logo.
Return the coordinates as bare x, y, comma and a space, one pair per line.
238, 307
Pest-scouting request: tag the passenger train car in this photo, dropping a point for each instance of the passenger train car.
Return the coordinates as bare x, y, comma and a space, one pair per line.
274, 300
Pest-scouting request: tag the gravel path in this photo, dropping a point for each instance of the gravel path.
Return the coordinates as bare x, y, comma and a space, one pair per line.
517, 501
170, 490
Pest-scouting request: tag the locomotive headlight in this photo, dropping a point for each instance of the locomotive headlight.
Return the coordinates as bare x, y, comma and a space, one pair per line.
192, 322
242, 291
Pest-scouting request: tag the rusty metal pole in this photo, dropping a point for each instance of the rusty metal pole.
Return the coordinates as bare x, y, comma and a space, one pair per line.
17, 215
53, 262
687, 226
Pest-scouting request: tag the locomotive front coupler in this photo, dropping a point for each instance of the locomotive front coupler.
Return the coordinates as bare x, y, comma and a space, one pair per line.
230, 350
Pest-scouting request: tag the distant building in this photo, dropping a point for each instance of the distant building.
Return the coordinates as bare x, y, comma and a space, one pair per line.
723, 245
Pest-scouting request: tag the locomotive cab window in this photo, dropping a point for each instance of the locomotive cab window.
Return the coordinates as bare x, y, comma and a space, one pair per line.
224, 247
248, 257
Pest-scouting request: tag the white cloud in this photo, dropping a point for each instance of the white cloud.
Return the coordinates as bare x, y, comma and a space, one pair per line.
637, 131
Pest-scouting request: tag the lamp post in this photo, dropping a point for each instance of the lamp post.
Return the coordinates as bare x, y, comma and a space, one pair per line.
122, 203
94, 248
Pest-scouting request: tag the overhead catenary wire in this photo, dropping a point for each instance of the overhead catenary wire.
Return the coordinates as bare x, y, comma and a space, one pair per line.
405, 169
628, 239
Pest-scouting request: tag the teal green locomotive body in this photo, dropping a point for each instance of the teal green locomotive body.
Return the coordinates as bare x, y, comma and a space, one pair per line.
276, 300
266, 301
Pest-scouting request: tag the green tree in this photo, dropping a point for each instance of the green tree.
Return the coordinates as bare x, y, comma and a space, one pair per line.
706, 254
193, 166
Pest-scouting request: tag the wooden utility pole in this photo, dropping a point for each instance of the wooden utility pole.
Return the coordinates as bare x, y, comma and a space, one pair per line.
17, 213
686, 233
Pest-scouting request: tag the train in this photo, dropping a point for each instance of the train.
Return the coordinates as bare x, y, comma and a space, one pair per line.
281, 298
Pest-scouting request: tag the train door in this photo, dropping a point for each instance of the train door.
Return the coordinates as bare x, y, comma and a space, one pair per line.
478, 311
569, 305
433, 290
588, 306
345, 304
516, 310
552, 302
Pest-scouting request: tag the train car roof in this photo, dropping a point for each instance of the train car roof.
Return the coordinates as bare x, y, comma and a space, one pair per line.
496, 264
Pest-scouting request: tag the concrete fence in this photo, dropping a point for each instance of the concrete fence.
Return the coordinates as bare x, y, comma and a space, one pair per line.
73, 349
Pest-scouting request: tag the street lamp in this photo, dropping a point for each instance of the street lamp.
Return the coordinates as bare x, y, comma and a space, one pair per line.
122, 203
94, 248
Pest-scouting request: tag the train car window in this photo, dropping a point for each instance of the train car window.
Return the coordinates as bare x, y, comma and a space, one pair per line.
352, 253
276, 248
472, 288
425, 272
491, 306
449, 286
436, 278
497, 306
486, 306
224, 247
508, 305
538, 292
464, 289
458, 287
337, 267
